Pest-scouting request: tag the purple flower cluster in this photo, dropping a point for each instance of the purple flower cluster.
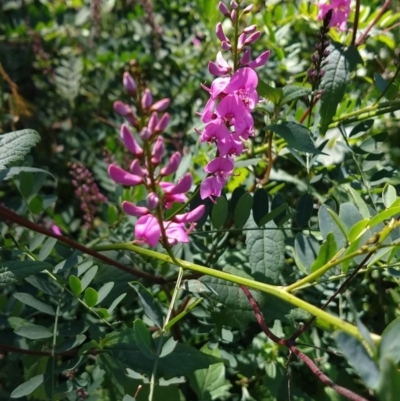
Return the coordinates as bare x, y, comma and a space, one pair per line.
146, 169
87, 192
233, 97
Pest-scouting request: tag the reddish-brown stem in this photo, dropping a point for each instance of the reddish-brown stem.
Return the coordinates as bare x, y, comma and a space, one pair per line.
308, 110
8, 214
323, 377
356, 20
373, 23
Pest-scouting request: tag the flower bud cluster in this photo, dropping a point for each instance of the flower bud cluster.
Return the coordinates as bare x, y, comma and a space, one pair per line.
147, 168
233, 97
87, 192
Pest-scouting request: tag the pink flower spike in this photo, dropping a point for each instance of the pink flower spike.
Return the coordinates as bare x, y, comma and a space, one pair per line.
211, 187
175, 233
121, 108
260, 60
252, 38
130, 142
184, 185
191, 216
120, 176
163, 123
246, 57
250, 29
220, 33
152, 200
158, 151
215, 69
129, 83
160, 105
133, 210
172, 165
223, 9
147, 229
136, 169
147, 99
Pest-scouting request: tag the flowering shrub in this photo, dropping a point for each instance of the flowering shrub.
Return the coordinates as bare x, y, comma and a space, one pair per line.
262, 194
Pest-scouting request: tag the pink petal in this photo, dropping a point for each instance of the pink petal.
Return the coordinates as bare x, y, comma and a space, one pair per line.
121, 176
148, 230
129, 141
133, 210
191, 216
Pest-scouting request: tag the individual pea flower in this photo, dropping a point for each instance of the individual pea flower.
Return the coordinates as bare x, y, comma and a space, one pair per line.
340, 12
233, 97
148, 169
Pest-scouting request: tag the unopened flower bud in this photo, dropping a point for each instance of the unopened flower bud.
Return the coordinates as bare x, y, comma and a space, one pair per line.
252, 38
234, 5
172, 165
133, 210
158, 151
145, 134
220, 33
182, 186
241, 40
163, 123
152, 200
147, 99
233, 15
130, 142
120, 176
153, 121
129, 83
216, 69
136, 169
250, 29
223, 9
245, 58
226, 46
248, 9
160, 105
260, 60
191, 216
121, 108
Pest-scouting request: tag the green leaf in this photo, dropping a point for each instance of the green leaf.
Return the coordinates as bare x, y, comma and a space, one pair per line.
73, 328
151, 307
11, 172
143, 339
28, 387
33, 332
116, 302
112, 214
335, 81
260, 205
358, 358
36, 204
361, 127
383, 86
266, 252
328, 224
104, 291
269, 92
348, 216
277, 214
304, 210
296, 135
210, 383
122, 348
219, 212
88, 277
75, 284
46, 248
14, 271
168, 347
34, 303
293, 92
357, 229
91, 297
327, 251
390, 342
242, 210
389, 195
15, 145
306, 249
389, 384
384, 215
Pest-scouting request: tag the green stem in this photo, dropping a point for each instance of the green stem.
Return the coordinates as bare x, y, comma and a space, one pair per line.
53, 349
277, 291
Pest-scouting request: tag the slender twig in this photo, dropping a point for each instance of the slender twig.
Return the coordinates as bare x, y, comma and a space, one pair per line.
8, 214
356, 20
373, 23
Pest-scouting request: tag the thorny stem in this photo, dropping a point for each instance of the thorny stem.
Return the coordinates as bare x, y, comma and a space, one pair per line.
291, 345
